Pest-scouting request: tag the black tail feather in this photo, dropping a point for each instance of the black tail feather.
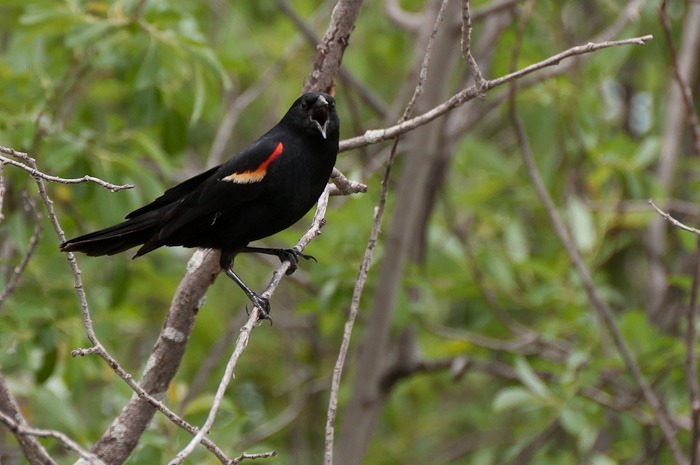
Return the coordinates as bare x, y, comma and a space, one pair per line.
115, 239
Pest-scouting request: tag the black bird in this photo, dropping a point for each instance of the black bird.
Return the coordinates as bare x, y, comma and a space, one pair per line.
264, 189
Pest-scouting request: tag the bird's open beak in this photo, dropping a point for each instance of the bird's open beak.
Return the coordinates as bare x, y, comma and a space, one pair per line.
320, 115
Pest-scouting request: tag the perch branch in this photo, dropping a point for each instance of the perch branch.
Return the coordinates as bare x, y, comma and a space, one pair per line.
242, 342
377, 135
31, 169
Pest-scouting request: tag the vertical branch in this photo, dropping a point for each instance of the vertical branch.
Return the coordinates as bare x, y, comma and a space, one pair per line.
601, 307
33, 450
329, 52
691, 362
17, 272
466, 46
369, 249
242, 342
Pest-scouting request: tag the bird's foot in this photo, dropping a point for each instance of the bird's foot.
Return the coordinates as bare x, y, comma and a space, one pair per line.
263, 305
292, 256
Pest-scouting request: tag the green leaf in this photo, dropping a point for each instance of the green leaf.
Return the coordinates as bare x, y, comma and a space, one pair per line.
529, 378
512, 397
200, 94
581, 224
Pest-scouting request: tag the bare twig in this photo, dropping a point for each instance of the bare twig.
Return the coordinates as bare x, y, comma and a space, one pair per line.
601, 307
466, 47
245, 456
683, 86
242, 341
344, 186
369, 253
373, 100
31, 169
691, 359
31, 447
2, 189
17, 272
672, 220
329, 52
377, 135
168, 351
20, 429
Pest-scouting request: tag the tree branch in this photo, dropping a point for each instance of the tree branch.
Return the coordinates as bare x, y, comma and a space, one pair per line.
32, 449
31, 169
601, 307
318, 222
373, 136
329, 53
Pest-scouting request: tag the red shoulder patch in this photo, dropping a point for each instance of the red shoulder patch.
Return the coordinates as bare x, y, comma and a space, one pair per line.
249, 176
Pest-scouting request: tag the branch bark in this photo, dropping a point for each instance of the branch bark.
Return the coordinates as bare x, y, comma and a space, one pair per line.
329, 53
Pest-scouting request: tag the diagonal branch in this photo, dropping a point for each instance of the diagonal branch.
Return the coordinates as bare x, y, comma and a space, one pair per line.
19, 429
31, 169
377, 135
242, 342
602, 309
31, 247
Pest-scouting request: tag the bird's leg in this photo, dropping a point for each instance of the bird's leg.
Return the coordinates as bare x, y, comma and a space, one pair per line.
261, 302
291, 255
226, 263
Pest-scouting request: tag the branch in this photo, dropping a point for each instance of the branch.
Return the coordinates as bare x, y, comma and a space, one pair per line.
33, 450
31, 247
318, 222
31, 169
466, 48
601, 307
329, 52
691, 359
2, 189
377, 135
344, 186
19, 429
115, 445
369, 253
672, 220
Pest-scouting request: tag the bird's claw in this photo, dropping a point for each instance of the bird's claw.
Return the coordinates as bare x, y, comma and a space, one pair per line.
292, 256
263, 305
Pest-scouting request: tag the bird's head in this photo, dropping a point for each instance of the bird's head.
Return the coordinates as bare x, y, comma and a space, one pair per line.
314, 113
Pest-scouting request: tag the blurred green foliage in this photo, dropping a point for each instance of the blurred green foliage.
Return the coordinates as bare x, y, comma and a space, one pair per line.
134, 92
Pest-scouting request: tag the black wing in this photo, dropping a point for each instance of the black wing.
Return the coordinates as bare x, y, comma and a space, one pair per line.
176, 193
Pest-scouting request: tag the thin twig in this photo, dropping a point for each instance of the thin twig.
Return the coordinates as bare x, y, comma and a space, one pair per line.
242, 341
691, 359
366, 94
17, 272
344, 186
67, 442
97, 347
31, 169
466, 47
672, 220
686, 92
369, 253
377, 135
2, 189
601, 307
244, 456
33, 451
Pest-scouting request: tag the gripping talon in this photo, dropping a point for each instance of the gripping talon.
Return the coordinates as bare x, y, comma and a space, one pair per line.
292, 256
263, 305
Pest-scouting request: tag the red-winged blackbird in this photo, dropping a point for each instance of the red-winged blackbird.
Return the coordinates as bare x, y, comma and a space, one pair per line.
264, 189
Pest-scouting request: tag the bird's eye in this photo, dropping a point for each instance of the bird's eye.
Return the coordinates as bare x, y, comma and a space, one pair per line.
304, 105
331, 105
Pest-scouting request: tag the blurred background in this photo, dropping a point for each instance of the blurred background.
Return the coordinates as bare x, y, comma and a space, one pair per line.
491, 352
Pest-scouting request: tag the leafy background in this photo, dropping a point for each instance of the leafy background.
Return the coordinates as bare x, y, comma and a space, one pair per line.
134, 92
